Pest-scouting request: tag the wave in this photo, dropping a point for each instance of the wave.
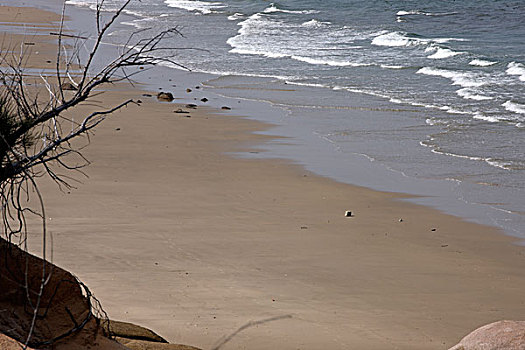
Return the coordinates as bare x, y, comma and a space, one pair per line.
464, 79
481, 63
202, 7
486, 118
514, 107
399, 39
315, 24
260, 52
417, 12
236, 16
442, 53
497, 163
502, 164
471, 94
328, 62
396, 39
387, 66
272, 9
514, 68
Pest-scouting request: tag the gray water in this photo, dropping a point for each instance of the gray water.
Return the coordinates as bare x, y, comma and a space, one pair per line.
420, 97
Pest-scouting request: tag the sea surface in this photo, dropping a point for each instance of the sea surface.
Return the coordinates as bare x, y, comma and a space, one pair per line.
424, 97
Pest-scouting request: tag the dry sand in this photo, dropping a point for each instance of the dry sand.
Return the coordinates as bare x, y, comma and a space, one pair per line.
171, 232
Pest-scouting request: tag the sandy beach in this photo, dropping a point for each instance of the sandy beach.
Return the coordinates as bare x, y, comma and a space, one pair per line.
172, 232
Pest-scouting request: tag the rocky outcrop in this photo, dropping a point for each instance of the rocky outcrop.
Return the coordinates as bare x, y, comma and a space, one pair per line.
65, 319
134, 344
501, 335
132, 331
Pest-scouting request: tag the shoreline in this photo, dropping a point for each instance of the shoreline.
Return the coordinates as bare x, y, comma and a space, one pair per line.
203, 242
313, 149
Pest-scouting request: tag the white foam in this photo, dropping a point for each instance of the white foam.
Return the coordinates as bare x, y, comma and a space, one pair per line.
328, 62
471, 94
481, 63
272, 9
83, 3
515, 68
433, 122
514, 107
391, 67
406, 13
315, 24
202, 7
236, 16
505, 165
396, 39
417, 12
263, 53
486, 118
463, 79
437, 151
444, 53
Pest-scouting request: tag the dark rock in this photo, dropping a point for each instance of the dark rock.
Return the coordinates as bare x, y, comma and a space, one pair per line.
204, 99
180, 111
165, 96
188, 90
226, 108
68, 86
191, 105
146, 95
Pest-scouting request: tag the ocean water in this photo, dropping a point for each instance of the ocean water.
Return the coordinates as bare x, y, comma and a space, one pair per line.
425, 97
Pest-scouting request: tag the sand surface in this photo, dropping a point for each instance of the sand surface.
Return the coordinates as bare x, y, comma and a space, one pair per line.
171, 232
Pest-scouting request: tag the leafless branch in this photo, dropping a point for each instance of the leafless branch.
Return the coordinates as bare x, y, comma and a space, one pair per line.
38, 136
246, 326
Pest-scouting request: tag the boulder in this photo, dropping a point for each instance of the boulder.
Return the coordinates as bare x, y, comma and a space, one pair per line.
501, 335
165, 96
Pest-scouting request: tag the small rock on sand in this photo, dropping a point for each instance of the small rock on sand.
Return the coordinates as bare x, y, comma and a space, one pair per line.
501, 335
68, 86
165, 96
204, 99
226, 108
180, 110
188, 90
191, 105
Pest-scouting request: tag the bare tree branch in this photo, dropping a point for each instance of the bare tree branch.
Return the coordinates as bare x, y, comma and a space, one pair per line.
38, 138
